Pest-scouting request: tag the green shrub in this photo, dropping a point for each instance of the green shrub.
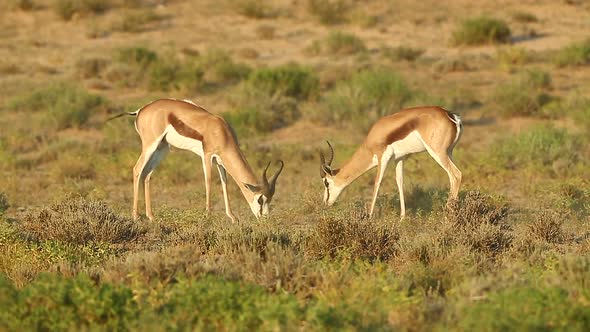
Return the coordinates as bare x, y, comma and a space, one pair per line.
91, 67
524, 17
402, 53
481, 30
365, 97
508, 57
4, 205
136, 56
290, 80
329, 11
525, 95
341, 43
67, 8
65, 105
135, 21
219, 68
576, 54
525, 308
258, 111
257, 9
540, 146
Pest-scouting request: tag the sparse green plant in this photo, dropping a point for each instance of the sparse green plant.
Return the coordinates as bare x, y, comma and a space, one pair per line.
266, 31
329, 12
65, 105
137, 21
509, 57
4, 205
291, 80
67, 8
91, 67
481, 30
525, 95
342, 43
257, 9
524, 17
538, 147
219, 68
23, 4
402, 53
365, 97
576, 54
260, 111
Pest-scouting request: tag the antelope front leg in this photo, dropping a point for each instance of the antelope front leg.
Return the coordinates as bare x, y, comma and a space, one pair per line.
223, 176
208, 177
399, 177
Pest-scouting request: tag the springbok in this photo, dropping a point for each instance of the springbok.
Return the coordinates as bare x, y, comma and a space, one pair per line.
188, 126
395, 137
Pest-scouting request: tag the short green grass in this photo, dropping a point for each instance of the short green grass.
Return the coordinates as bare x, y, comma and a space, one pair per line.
481, 30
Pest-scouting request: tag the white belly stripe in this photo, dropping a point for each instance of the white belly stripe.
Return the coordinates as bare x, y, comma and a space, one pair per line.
183, 142
412, 143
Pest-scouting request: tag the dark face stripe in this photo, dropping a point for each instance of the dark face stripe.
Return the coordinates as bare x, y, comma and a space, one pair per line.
183, 129
400, 133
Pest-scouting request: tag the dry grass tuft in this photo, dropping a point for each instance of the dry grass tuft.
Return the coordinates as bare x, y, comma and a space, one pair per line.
476, 208
339, 236
79, 221
547, 227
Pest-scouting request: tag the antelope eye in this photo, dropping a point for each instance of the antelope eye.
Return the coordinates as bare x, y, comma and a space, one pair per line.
260, 200
326, 183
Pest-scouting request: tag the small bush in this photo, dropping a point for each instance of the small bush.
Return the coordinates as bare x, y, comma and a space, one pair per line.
329, 11
509, 57
219, 68
481, 30
4, 205
477, 208
338, 236
91, 67
341, 43
65, 105
402, 53
524, 17
257, 9
136, 21
365, 97
540, 146
259, 111
291, 80
67, 8
576, 54
265, 32
79, 221
136, 56
525, 95
23, 4
547, 227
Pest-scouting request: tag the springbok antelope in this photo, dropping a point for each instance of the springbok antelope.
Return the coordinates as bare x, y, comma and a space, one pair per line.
188, 126
395, 137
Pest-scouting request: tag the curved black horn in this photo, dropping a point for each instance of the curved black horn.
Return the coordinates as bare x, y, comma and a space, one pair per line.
331, 153
264, 178
273, 180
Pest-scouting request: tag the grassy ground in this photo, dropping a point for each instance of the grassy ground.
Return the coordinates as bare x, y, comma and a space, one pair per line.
513, 254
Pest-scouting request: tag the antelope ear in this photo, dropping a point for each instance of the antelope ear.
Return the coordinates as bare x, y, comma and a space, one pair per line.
327, 170
253, 188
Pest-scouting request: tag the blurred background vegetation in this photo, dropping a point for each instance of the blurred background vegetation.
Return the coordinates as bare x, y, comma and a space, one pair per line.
513, 253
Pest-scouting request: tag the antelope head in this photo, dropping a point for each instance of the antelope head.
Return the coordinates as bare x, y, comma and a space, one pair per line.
327, 173
264, 192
